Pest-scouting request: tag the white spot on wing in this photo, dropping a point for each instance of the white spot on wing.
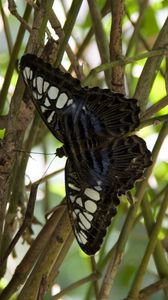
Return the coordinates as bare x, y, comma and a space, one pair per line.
73, 187
31, 74
82, 238
46, 102
74, 215
88, 216
27, 72
72, 198
81, 225
70, 101
83, 233
76, 211
61, 101
53, 92
36, 95
39, 82
45, 86
98, 188
84, 221
50, 118
91, 193
78, 237
43, 109
34, 82
79, 201
90, 206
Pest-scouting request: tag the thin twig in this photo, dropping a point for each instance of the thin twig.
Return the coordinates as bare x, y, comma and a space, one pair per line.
13, 59
153, 288
13, 10
91, 277
124, 61
32, 254
48, 257
154, 108
134, 291
26, 222
105, 10
137, 25
95, 283
67, 29
100, 36
153, 121
45, 178
6, 29
56, 25
150, 69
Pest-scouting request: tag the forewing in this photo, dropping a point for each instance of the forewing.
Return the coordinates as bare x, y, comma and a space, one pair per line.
53, 92
91, 209
108, 114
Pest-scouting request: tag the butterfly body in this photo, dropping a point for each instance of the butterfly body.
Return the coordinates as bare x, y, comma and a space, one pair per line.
94, 125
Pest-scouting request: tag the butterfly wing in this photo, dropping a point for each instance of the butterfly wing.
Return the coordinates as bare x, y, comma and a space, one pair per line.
93, 188
52, 91
56, 93
117, 114
91, 209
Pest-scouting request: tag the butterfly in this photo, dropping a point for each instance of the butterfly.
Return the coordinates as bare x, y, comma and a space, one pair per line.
103, 159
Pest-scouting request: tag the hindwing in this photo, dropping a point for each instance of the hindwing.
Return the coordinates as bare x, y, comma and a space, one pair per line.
90, 208
93, 187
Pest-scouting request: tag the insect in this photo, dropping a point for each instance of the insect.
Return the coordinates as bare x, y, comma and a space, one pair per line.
94, 125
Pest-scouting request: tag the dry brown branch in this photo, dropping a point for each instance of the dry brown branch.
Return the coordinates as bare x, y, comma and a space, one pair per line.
117, 78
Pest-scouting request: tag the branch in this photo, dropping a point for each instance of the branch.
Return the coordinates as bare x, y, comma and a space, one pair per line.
100, 35
134, 292
124, 61
137, 25
150, 69
91, 277
27, 263
154, 108
49, 256
68, 27
153, 288
13, 10
117, 7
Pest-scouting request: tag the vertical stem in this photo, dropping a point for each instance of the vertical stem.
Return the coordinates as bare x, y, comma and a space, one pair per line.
117, 7
100, 36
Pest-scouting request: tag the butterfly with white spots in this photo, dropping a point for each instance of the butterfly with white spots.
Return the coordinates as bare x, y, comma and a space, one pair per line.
103, 160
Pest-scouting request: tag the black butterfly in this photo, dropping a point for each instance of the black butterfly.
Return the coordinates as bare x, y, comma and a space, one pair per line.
93, 125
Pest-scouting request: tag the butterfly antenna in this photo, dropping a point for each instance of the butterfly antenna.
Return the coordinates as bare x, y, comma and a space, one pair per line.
34, 152
44, 174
